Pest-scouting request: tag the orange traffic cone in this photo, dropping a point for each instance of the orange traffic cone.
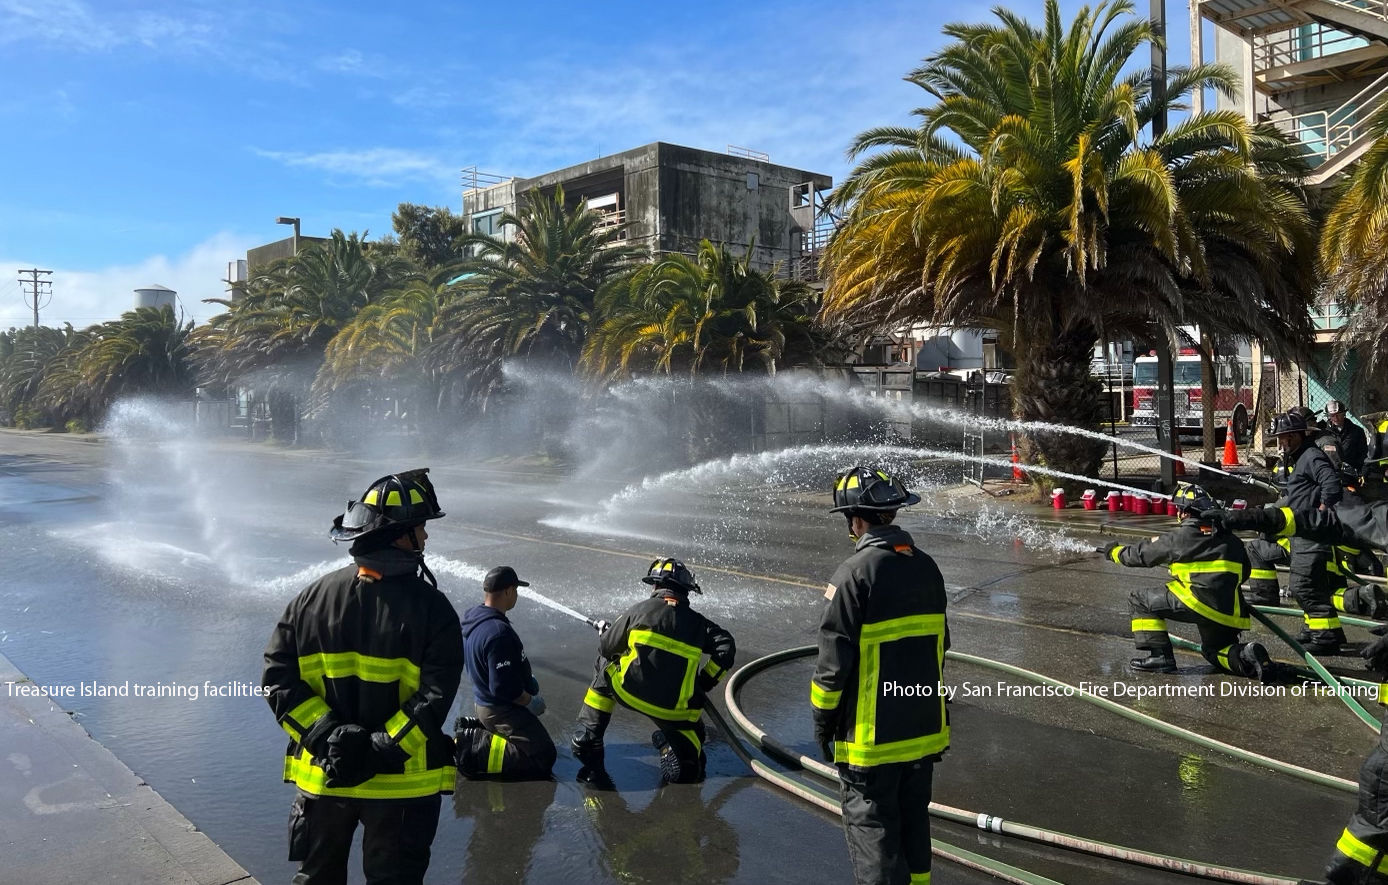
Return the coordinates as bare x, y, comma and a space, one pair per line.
1231, 449
1017, 475
1180, 466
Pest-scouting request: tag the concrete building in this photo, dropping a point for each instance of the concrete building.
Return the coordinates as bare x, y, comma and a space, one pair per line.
669, 197
1318, 70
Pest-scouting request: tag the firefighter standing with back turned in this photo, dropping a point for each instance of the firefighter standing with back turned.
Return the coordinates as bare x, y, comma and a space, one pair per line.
1207, 565
878, 711
649, 660
361, 672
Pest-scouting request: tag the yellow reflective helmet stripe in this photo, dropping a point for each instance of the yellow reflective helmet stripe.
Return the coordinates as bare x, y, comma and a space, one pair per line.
853, 482
371, 497
416, 497
393, 498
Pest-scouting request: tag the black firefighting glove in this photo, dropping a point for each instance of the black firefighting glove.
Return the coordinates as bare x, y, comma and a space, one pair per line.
315, 740
1375, 654
1106, 551
1259, 519
386, 754
348, 762
826, 725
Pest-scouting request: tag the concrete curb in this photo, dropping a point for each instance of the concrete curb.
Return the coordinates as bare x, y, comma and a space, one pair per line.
71, 811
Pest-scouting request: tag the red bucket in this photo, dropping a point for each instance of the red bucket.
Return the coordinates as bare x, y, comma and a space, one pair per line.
1172, 509
1058, 499
1114, 501
1090, 499
1142, 506
1130, 502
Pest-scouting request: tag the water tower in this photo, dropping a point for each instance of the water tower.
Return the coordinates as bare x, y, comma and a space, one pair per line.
155, 295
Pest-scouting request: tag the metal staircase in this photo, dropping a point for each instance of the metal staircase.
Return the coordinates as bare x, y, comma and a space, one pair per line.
1304, 44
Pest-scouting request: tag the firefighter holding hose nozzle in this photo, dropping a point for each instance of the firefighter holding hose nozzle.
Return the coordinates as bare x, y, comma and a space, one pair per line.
1361, 854
1207, 563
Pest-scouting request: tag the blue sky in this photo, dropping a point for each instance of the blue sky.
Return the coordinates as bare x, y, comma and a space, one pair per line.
155, 141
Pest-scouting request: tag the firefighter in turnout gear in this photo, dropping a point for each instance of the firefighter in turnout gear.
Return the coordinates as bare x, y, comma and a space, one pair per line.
1361, 853
651, 660
1353, 444
1312, 482
875, 695
1264, 556
505, 740
1207, 566
361, 672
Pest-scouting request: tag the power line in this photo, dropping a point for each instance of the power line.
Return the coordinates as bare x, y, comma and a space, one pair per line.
38, 288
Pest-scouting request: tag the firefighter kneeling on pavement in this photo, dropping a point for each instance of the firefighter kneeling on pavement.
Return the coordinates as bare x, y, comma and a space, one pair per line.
649, 661
505, 740
878, 710
1207, 563
361, 672
1361, 853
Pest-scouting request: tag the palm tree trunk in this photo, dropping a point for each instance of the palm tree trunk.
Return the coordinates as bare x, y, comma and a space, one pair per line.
1208, 392
1054, 384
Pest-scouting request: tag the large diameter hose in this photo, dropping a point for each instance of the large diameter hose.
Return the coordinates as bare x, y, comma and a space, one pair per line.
1325, 675
940, 848
1025, 831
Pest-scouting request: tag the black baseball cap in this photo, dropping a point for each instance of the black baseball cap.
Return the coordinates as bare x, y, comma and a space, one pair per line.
500, 578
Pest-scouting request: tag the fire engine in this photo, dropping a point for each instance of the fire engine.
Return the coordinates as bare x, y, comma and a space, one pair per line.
1233, 393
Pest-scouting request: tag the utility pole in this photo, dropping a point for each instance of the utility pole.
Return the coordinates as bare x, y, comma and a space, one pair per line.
37, 292
1166, 400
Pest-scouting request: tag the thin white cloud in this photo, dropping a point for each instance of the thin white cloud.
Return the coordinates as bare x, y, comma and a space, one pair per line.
353, 62
84, 297
74, 25
379, 166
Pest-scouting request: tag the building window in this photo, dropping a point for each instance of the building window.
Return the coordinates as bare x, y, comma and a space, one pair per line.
488, 224
752, 181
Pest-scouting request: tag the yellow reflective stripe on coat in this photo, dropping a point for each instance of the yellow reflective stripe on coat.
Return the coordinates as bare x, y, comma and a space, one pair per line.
823, 698
1289, 529
651, 639
1223, 656
496, 755
614, 675
1321, 623
714, 670
300, 771
1149, 625
1263, 574
410, 739
301, 718
1115, 553
693, 737
864, 750
1182, 590
314, 668
599, 702
1359, 851
920, 878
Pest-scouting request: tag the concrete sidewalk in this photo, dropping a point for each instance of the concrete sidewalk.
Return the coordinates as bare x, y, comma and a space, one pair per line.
71, 812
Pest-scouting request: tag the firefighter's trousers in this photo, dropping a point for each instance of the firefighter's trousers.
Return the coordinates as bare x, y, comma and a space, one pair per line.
886, 819
1265, 556
1153, 607
682, 764
1361, 854
396, 838
512, 744
1313, 583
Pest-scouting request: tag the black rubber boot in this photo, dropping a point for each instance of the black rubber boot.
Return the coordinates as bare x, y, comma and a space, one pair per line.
670, 767
588, 749
1156, 662
1322, 647
1256, 658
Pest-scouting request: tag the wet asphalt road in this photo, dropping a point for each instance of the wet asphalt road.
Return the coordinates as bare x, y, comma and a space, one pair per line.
154, 562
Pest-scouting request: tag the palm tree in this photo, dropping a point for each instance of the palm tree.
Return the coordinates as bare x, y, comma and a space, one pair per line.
1026, 202
31, 354
710, 313
147, 351
274, 338
1354, 255
531, 295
